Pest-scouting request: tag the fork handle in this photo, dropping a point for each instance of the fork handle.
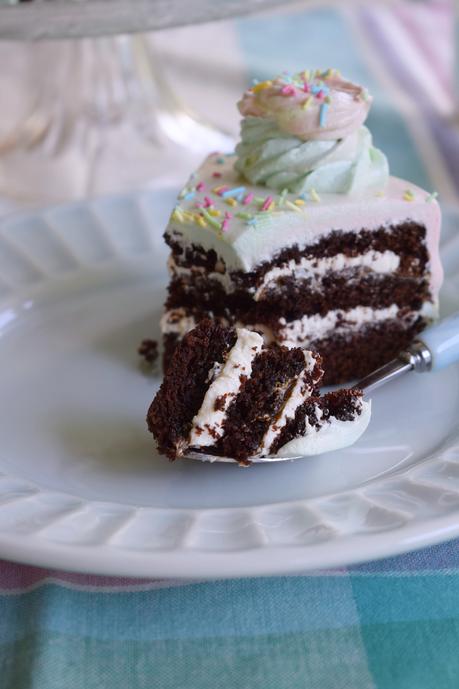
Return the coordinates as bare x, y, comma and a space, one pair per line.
442, 340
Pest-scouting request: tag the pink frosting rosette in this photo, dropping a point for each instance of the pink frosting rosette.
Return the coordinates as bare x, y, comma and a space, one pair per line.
325, 106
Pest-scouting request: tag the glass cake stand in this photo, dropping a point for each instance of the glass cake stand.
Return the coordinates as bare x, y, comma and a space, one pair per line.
97, 114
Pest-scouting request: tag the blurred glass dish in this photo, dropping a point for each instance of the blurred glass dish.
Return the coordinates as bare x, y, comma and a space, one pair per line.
97, 115
41, 19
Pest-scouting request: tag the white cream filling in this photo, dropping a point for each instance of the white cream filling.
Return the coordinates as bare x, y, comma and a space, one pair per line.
332, 435
309, 328
316, 327
299, 394
377, 261
303, 330
207, 425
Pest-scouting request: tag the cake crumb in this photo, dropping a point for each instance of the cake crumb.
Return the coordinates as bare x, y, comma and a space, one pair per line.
148, 349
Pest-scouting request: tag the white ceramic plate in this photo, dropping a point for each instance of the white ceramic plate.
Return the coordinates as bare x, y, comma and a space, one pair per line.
81, 486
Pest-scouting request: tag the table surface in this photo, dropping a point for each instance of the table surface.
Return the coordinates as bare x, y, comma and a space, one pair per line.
390, 624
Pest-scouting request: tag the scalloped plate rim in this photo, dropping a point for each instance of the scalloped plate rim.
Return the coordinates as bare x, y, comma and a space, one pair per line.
261, 559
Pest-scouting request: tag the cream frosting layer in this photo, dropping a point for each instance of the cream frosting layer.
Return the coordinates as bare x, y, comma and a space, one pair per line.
331, 435
257, 236
207, 425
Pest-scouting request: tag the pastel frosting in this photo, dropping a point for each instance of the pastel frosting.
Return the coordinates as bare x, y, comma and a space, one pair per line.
324, 106
269, 157
305, 133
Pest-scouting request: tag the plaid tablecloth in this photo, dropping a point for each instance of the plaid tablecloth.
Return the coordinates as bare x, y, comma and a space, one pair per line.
392, 624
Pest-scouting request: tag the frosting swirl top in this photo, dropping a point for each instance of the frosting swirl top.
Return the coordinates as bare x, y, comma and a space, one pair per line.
309, 105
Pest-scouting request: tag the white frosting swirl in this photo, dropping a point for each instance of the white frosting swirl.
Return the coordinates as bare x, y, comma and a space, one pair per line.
269, 156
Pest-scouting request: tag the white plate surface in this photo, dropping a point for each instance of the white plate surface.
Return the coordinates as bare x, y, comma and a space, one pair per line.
81, 486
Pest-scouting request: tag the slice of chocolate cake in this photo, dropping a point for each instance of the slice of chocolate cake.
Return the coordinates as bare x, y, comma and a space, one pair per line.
227, 393
302, 234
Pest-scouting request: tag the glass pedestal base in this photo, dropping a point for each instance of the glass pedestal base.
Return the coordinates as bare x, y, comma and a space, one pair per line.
94, 116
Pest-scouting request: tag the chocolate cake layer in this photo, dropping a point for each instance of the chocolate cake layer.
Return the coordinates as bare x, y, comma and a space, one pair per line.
296, 298
352, 356
181, 393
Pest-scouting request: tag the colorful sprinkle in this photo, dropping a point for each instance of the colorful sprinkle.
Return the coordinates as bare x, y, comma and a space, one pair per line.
177, 214
214, 212
305, 105
236, 191
292, 206
314, 196
184, 192
248, 199
432, 197
408, 195
216, 174
298, 202
231, 202
214, 223
220, 161
208, 202
261, 86
266, 204
200, 220
288, 90
282, 197
244, 216
323, 114
224, 226
189, 196
200, 187
220, 190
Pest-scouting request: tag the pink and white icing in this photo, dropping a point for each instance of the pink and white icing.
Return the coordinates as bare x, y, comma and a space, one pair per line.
296, 109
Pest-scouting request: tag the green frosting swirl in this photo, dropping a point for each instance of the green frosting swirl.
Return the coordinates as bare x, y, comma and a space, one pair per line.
271, 157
